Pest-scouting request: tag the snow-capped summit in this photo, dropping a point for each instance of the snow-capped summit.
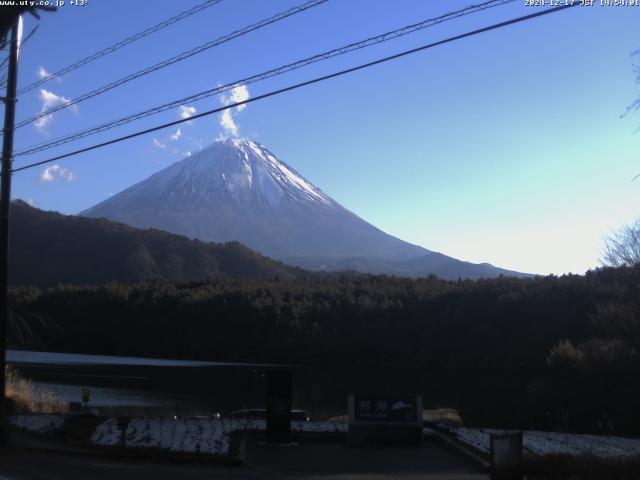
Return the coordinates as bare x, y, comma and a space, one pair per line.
238, 168
246, 166
236, 189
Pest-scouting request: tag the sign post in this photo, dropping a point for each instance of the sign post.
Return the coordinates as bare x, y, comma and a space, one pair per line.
385, 419
279, 384
85, 398
123, 424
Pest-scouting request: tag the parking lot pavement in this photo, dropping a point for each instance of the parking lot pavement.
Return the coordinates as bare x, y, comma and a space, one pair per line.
336, 460
309, 460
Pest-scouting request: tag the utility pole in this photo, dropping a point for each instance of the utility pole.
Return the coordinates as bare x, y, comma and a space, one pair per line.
5, 204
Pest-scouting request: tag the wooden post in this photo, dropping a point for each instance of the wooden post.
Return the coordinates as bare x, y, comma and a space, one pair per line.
5, 204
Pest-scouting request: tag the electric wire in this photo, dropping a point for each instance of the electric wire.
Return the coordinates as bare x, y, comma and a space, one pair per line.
122, 43
4, 63
177, 58
262, 76
302, 84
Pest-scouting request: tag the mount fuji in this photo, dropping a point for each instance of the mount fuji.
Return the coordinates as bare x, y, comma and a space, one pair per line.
236, 189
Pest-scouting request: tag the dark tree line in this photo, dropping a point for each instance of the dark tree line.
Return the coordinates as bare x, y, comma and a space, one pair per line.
548, 352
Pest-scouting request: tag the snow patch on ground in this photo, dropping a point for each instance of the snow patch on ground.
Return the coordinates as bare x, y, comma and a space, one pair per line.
475, 437
44, 424
192, 435
552, 443
581, 445
107, 434
319, 427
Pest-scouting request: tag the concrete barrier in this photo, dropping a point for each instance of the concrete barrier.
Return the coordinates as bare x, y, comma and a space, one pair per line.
506, 455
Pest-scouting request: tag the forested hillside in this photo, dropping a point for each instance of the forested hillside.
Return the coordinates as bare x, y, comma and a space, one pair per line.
549, 352
47, 248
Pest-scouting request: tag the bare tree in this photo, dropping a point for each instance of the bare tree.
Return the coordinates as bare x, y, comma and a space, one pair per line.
622, 248
635, 105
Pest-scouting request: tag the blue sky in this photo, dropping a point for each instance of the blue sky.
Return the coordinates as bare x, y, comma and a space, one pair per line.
506, 147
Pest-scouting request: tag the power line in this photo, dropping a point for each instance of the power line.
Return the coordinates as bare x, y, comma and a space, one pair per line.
4, 63
264, 75
122, 43
177, 58
31, 33
302, 84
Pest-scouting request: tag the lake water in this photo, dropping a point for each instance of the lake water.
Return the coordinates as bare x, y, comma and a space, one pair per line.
134, 385
145, 386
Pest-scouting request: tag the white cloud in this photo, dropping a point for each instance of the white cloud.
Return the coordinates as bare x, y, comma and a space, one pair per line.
186, 111
43, 73
239, 93
187, 153
49, 174
226, 121
159, 144
176, 135
56, 172
50, 100
172, 138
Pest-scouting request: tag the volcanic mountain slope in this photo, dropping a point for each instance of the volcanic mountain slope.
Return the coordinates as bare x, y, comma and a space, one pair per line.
47, 248
238, 190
